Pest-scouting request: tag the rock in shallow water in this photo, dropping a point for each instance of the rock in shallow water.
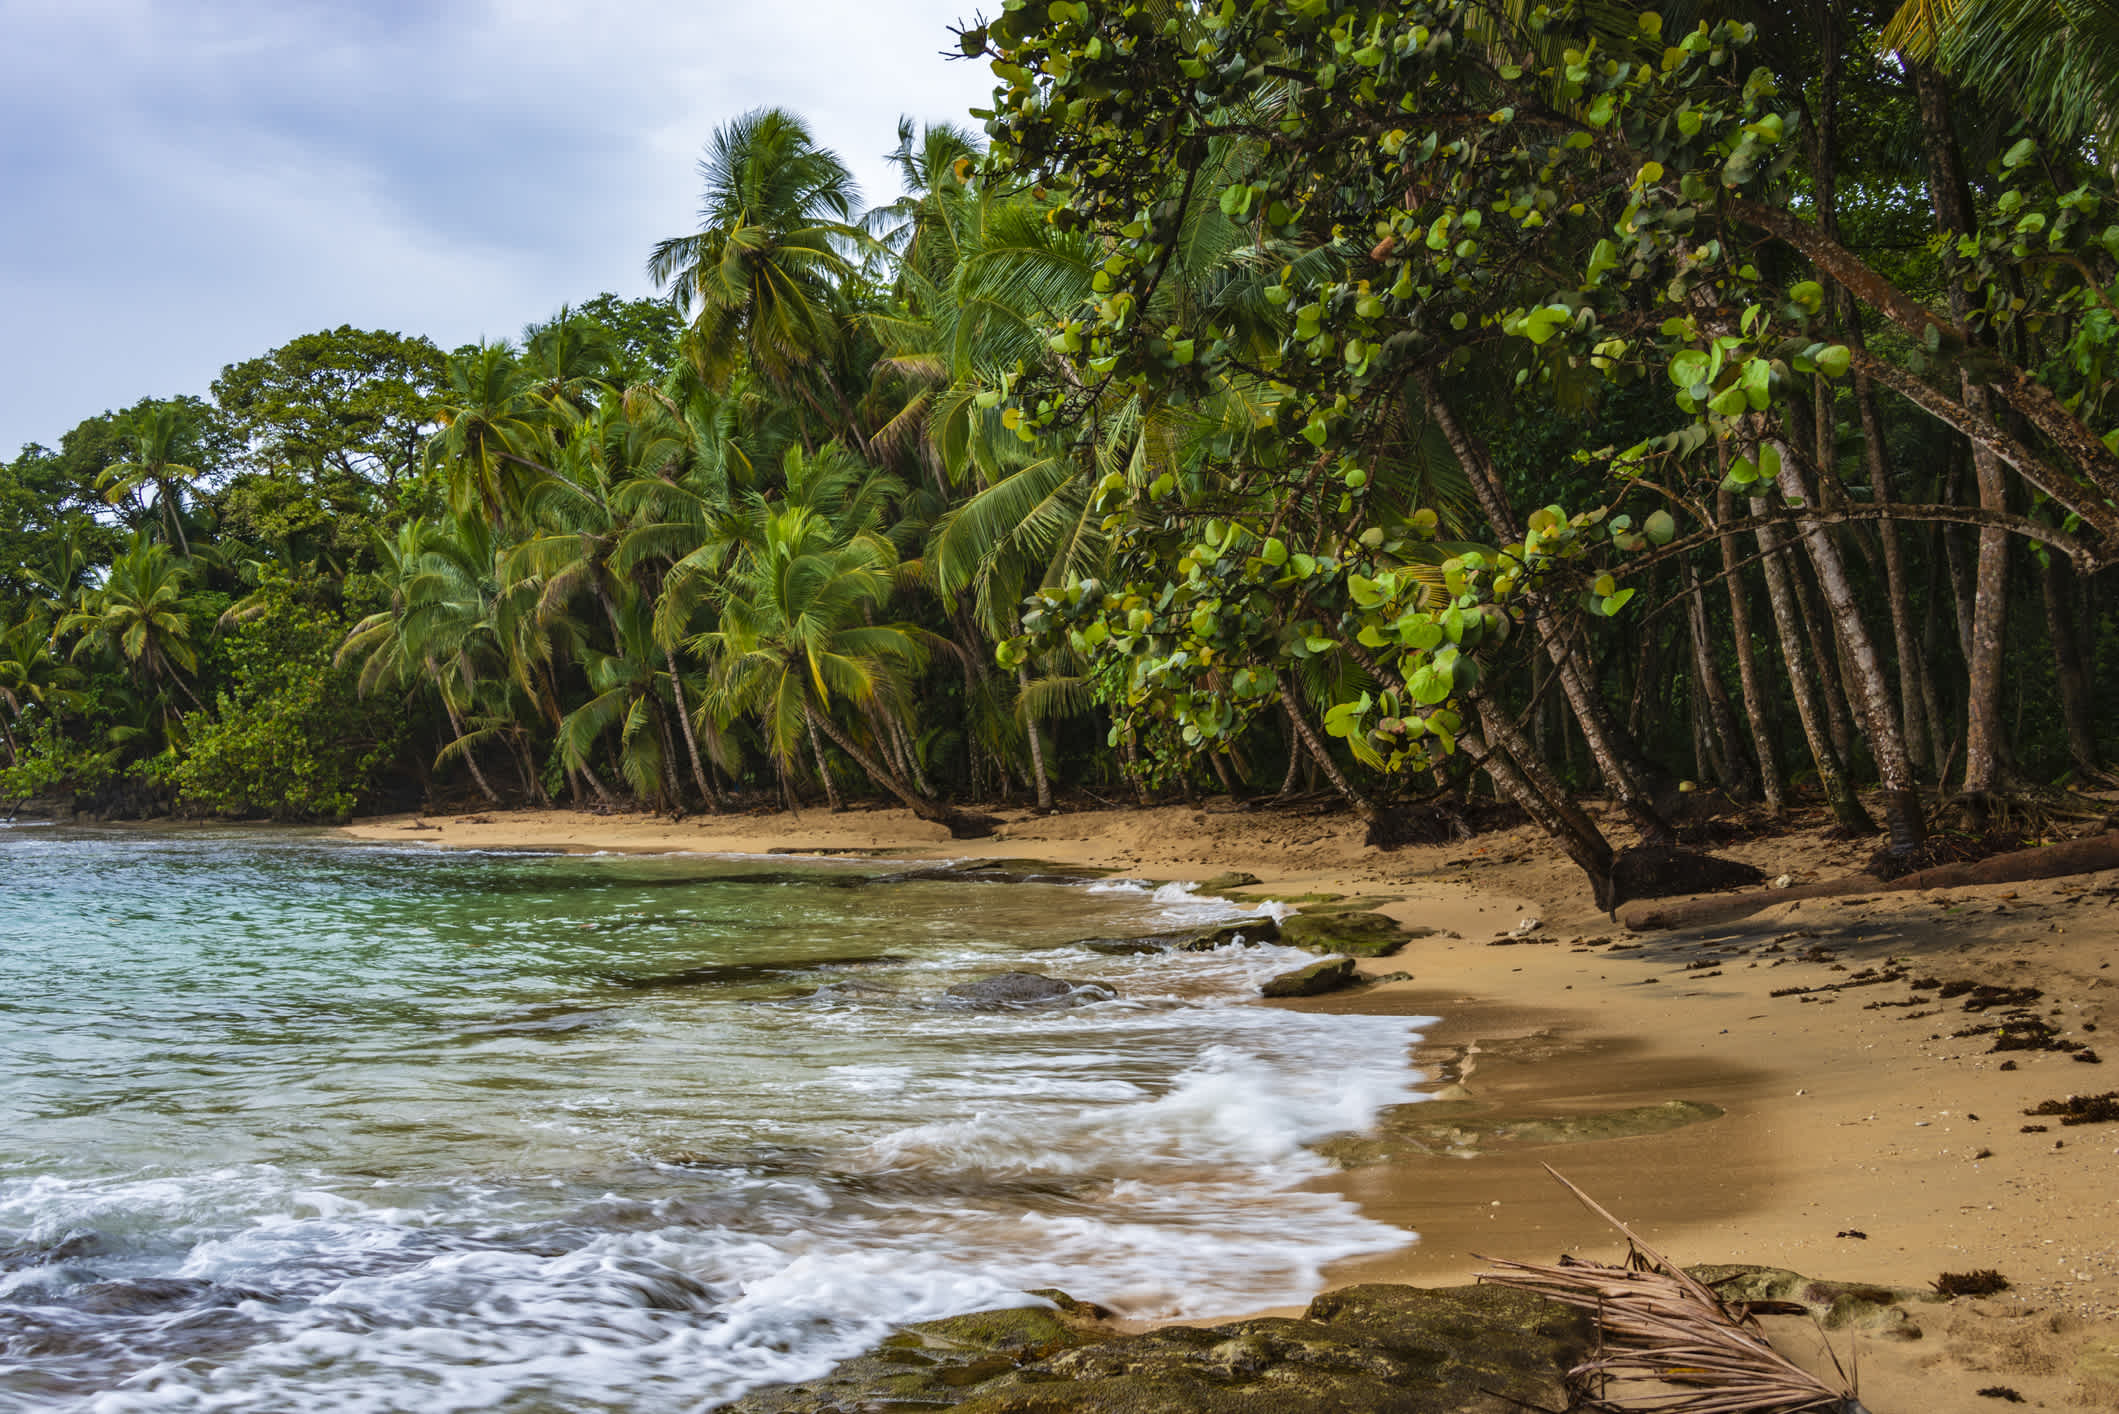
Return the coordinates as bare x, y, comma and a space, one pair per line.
1029, 989
1314, 980
1377, 1349
1355, 934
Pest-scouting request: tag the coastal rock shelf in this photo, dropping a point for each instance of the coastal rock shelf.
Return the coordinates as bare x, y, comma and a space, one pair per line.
1383, 1349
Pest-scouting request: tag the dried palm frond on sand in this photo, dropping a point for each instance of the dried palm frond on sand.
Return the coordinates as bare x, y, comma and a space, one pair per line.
1658, 1327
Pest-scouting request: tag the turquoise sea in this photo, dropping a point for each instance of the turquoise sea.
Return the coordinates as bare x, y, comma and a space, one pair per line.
288, 1123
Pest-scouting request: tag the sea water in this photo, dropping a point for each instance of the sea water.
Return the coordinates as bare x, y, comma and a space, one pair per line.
288, 1123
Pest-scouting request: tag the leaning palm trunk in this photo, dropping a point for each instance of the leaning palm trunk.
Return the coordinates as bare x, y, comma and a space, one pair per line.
456, 730
959, 824
1318, 752
1666, 1343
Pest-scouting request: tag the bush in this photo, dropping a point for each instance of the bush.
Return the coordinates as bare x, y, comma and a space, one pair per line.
290, 737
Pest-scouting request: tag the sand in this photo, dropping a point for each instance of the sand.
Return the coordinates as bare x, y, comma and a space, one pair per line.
1860, 1139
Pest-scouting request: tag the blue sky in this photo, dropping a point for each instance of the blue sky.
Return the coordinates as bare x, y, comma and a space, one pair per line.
191, 182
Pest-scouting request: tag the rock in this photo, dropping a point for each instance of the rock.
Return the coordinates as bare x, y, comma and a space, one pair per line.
1029, 989
1314, 980
1526, 926
1234, 879
935, 1363
1355, 934
995, 871
1250, 931
1376, 1349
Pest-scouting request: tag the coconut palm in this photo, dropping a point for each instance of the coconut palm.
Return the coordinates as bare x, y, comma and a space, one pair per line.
142, 616
493, 432
2055, 60
159, 439
795, 644
760, 278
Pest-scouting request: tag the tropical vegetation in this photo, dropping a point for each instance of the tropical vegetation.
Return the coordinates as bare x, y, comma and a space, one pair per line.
1395, 404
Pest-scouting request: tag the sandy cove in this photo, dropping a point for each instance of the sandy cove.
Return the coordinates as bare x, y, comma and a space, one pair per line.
1861, 1139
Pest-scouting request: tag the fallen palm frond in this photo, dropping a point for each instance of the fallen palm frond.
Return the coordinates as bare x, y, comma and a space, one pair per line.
1666, 1344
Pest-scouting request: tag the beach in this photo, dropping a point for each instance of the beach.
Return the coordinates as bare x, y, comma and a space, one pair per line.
1861, 1138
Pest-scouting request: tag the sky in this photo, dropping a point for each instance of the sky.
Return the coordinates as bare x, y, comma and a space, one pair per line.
188, 183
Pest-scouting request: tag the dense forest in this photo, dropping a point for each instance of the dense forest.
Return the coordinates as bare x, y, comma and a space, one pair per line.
1393, 402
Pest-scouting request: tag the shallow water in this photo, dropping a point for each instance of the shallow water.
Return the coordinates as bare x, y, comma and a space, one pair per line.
287, 1123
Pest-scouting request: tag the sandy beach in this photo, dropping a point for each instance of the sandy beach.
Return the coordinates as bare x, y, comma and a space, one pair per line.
1860, 1135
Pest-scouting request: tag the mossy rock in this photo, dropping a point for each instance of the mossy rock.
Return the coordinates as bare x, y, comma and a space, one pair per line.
1318, 978
1355, 934
1233, 879
1461, 1128
935, 1364
1377, 1349
1837, 1305
1263, 929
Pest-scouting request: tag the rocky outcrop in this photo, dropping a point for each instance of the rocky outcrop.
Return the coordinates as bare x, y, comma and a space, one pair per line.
1318, 978
1377, 1349
1355, 934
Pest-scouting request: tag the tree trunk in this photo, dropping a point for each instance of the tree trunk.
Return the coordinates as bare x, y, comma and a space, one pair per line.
1902, 809
1876, 456
691, 741
1591, 713
1720, 715
831, 788
1749, 678
1296, 756
1037, 745
456, 726
2070, 672
959, 824
1317, 751
1802, 682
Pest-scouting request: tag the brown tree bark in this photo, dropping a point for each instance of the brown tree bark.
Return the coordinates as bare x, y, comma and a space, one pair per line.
1037, 744
2070, 672
1749, 677
1802, 683
1317, 750
1903, 814
960, 824
691, 740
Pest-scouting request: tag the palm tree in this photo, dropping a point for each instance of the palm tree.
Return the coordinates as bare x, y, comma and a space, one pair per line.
159, 438
795, 639
2057, 61
493, 432
141, 616
31, 675
760, 277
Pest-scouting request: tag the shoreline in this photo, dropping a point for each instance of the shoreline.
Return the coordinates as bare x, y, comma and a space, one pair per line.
1843, 1112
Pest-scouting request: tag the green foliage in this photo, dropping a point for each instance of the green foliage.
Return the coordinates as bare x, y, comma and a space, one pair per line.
288, 737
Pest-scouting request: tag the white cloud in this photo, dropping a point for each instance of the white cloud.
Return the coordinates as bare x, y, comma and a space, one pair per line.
191, 184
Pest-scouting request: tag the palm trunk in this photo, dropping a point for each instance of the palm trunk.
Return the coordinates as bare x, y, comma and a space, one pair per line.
1037, 745
958, 823
1749, 678
908, 751
456, 726
691, 740
831, 789
1902, 809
